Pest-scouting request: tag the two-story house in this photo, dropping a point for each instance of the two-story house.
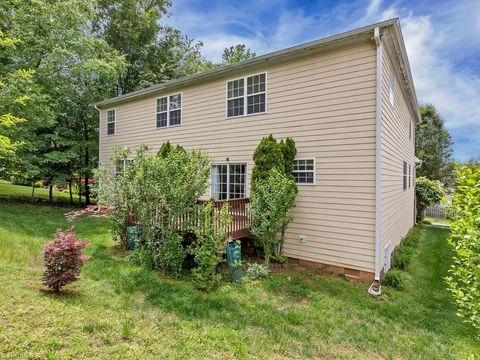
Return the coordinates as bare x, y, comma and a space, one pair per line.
349, 103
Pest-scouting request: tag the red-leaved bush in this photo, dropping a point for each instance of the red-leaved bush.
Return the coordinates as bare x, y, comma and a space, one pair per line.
63, 259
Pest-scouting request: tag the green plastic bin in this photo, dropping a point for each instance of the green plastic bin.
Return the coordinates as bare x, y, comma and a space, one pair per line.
133, 235
234, 261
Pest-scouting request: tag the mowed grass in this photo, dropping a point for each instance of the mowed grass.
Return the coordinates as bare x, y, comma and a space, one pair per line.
121, 311
19, 191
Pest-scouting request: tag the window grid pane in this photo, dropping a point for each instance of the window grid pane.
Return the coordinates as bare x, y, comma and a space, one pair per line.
235, 88
304, 171
162, 105
219, 182
175, 102
162, 119
235, 107
175, 117
256, 104
111, 128
255, 84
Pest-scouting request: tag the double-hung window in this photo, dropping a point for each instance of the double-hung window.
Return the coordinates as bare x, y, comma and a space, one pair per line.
111, 117
247, 96
229, 181
304, 171
169, 111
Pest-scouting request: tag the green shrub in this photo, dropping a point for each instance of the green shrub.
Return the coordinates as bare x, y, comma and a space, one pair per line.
402, 258
208, 248
257, 271
279, 259
464, 276
271, 203
428, 192
396, 279
170, 254
142, 257
38, 184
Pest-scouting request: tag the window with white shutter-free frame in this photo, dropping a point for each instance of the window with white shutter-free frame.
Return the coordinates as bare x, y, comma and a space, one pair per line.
247, 95
111, 120
304, 171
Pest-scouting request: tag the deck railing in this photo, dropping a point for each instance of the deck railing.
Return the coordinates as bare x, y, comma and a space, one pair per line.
238, 209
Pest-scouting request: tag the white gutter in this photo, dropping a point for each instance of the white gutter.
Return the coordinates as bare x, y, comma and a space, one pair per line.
378, 154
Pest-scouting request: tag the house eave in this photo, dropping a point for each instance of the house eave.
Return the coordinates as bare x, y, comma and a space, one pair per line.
281, 55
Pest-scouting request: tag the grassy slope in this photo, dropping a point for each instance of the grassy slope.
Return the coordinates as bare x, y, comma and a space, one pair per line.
118, 310
26, 192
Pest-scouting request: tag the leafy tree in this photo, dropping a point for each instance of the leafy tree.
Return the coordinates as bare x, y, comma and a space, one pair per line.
153, 52
464, 276
433, 146
237, 53
428, 192
271, 202
69, 70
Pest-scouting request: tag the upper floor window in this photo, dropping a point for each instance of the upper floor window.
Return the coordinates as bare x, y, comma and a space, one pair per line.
404, 175
111, 116
246, 96
229, 181
392, 89
169, 110
304, 171
410, 129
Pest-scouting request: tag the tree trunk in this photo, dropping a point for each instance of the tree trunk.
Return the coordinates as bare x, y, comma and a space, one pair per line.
87, 186
80, 190
70, 191
33, 189
50, 193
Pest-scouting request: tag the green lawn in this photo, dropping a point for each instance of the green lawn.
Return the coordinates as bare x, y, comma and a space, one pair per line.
118, 310
20, 191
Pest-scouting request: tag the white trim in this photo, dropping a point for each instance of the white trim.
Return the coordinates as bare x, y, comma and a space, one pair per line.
245, 95
228, 177
168, 110
304, 171
378, 154
114, 122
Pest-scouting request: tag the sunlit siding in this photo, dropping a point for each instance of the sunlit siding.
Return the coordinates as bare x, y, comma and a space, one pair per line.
397, 147
326, 102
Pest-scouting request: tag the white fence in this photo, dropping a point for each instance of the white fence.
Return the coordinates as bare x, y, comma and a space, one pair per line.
436, 211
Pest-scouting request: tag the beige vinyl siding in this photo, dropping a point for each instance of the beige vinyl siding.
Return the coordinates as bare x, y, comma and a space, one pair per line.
397, 216
326, 102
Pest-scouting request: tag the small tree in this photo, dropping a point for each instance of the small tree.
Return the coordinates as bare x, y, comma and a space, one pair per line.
63, 259
428, 192
464, 282
271, 203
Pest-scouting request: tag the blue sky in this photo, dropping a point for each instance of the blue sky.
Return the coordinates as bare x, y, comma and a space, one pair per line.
442, 40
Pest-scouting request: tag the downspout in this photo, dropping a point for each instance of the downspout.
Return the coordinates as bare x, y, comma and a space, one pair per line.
99, 131
378, 158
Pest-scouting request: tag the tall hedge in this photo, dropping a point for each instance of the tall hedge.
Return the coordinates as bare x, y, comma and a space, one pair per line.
271, 154
464, 279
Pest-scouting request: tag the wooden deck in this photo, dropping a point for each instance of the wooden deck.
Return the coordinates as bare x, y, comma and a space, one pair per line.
238, 209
